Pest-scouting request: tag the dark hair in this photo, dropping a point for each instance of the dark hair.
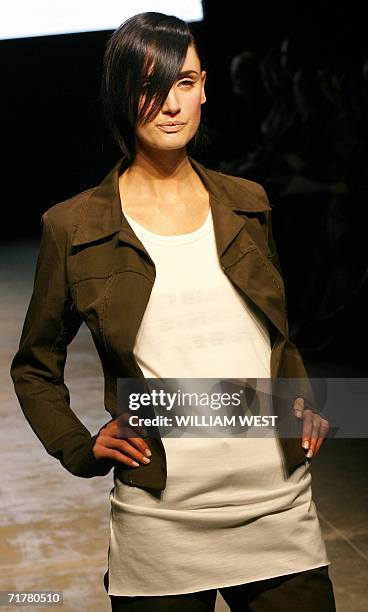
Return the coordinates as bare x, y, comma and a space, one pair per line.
142, 40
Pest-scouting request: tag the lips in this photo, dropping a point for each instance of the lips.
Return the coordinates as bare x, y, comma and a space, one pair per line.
171, 123
173, 127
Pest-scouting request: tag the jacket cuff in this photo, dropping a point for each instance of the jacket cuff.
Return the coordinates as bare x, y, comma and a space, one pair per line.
90, 466
74, 451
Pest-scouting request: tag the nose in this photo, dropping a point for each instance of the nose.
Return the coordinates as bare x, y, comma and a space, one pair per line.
171, 104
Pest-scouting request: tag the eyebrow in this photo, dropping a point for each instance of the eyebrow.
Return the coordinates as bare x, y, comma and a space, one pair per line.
187, 73
181, 75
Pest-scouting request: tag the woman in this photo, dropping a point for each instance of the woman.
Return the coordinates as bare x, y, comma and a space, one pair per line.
146, 259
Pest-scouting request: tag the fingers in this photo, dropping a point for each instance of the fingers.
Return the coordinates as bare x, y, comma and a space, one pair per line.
299, 407
316, 423
315, 429
307, 428
322, 434
121, 450
130, 450
126, 432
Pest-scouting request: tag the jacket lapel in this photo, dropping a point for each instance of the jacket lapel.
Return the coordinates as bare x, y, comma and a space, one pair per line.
102, 216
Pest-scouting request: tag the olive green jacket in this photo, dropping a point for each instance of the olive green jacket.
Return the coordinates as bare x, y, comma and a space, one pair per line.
92, 268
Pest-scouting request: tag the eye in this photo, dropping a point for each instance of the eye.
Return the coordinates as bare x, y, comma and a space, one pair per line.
187, 81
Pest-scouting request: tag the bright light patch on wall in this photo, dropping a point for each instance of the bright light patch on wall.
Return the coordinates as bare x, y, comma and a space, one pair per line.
25, 18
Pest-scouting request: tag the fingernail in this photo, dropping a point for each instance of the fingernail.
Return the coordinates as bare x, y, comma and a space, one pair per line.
309, 454
135, 464
148, 452
306, 444
146, 460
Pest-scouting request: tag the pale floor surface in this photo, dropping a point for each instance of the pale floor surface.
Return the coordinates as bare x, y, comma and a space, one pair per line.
54, 526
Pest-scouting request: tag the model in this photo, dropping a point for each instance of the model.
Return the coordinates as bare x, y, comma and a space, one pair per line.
173, 268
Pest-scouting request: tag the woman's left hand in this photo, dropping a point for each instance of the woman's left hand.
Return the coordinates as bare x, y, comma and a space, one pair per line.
315, 428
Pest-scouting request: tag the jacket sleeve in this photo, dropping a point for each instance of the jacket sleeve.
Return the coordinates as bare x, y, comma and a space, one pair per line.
302, 384
37, 369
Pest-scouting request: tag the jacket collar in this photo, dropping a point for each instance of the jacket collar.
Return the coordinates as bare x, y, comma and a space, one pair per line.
102, 215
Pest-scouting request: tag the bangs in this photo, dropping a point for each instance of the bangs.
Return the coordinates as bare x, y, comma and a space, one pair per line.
159, 59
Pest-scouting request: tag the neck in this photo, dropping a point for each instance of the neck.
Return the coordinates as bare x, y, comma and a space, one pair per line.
163, 175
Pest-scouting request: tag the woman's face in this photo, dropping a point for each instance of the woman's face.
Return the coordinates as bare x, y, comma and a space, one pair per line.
183, 104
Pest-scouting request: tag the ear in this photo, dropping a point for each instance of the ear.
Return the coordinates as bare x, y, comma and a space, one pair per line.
203, 79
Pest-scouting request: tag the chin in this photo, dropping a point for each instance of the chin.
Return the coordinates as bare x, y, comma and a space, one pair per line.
171, 146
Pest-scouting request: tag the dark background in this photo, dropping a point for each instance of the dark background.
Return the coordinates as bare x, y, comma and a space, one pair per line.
55, 145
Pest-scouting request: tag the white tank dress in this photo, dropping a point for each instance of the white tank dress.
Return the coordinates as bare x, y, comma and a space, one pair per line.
227, 515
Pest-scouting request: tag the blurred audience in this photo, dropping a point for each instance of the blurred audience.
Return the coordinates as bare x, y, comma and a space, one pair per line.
248, 106
304, 137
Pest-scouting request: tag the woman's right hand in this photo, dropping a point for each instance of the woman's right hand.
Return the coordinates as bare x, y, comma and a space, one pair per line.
109, 445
